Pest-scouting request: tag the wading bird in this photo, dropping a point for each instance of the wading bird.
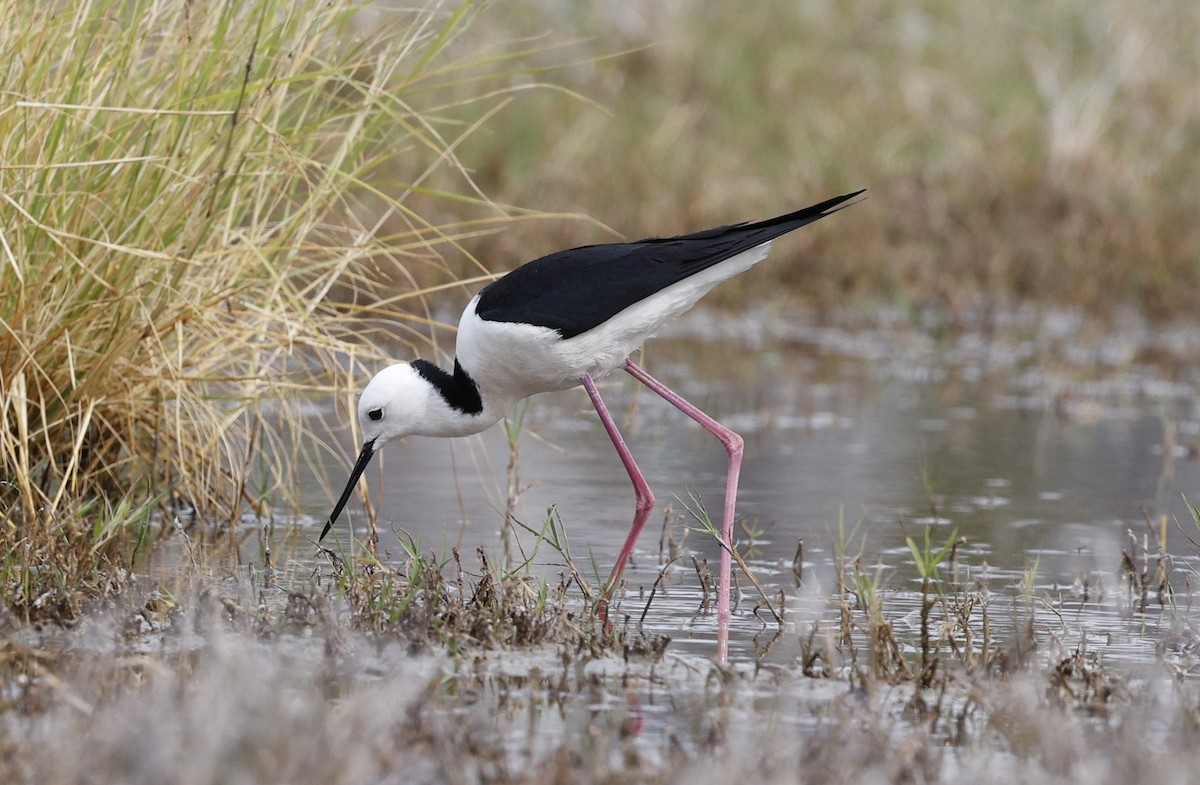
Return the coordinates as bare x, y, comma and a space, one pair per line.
562, 321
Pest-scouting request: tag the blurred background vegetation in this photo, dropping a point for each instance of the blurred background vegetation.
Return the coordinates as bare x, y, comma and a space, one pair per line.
1013, 152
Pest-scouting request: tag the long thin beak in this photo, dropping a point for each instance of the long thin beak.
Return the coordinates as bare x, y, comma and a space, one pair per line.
360, 466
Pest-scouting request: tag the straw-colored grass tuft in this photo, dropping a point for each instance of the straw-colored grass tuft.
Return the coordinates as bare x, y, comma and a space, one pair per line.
183, 185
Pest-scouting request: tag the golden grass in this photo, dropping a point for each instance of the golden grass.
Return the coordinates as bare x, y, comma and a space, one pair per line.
184, 185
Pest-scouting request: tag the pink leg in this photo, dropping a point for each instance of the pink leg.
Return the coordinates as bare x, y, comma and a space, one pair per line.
733, 446
645, 498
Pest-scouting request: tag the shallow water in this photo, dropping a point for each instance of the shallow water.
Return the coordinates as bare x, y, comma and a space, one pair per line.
1042, 443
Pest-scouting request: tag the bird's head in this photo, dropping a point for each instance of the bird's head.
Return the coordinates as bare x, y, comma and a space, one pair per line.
394, 404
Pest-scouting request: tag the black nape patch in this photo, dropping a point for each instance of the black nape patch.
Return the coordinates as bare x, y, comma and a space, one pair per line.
458, 390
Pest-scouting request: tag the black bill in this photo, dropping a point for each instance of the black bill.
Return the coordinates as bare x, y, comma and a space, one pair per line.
360, 466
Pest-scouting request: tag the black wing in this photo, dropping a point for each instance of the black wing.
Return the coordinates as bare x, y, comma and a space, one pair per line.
575, 290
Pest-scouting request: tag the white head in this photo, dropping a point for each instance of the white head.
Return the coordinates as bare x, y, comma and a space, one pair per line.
394, 404
403, 401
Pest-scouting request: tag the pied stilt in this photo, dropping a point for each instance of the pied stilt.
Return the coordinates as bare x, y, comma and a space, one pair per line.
562, 321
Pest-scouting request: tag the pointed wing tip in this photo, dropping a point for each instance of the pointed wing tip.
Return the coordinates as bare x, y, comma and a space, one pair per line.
831, 206
847, 197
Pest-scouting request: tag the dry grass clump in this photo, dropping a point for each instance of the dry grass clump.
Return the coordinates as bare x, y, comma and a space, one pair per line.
185, 187
181, 184
426, 602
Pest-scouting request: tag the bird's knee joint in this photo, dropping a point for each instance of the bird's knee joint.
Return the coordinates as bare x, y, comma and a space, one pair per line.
734, 443
645, 501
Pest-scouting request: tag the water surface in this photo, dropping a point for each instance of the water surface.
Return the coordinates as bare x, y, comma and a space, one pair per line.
1043, 444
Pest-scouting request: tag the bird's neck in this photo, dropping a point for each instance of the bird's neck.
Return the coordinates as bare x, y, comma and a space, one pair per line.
459, 408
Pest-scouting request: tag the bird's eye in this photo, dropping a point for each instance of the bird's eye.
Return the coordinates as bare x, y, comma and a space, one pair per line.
375, 414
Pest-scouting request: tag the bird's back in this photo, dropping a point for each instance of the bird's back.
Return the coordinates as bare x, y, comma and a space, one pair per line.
576, 290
